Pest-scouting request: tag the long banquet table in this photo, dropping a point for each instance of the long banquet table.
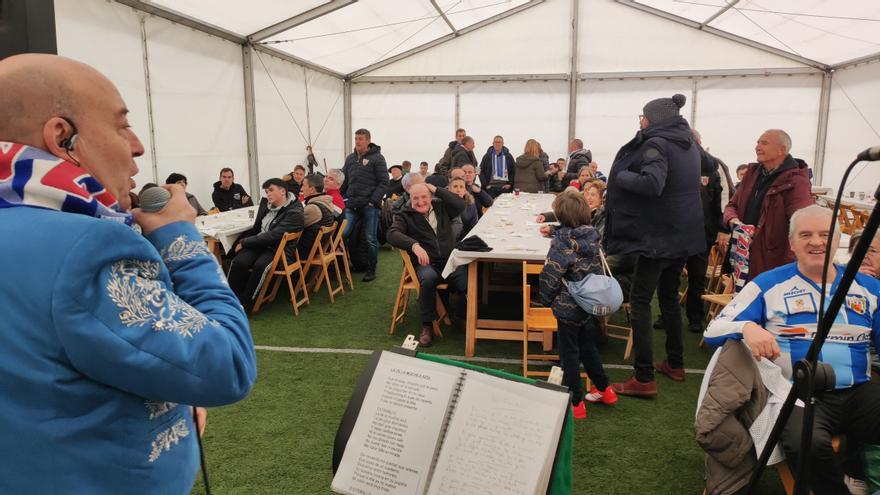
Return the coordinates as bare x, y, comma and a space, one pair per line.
224, 228
509, 228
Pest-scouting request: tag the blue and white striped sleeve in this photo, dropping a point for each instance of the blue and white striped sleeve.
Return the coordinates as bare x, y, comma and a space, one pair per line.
747, 306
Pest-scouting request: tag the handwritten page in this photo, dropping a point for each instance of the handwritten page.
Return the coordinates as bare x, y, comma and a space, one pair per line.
501, 439
396, 435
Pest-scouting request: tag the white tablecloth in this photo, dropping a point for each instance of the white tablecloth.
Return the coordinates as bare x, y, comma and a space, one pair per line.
226, 226
866, 204
509, 228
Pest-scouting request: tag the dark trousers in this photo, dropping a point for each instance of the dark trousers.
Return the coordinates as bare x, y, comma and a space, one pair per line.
577, 345
429, 279
854, 412
696, 267
663, 276
368, 217
246, 271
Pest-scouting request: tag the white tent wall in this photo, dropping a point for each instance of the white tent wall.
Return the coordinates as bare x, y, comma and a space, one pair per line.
107, 36
409, 121
198, 106
848, 132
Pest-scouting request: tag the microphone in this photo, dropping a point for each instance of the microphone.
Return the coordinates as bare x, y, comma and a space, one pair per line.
869, 155
154, 199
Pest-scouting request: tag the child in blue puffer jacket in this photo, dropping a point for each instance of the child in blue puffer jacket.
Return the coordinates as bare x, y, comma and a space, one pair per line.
574, 254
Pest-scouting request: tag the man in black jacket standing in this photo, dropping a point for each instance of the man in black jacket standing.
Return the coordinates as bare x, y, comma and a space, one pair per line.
654, 212
464, 154
497, 169
578, 157
278, 214
227, 194
423, 228
366, 180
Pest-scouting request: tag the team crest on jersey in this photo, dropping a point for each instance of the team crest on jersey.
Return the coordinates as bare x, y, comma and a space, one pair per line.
800, 303
858, 304
365, 162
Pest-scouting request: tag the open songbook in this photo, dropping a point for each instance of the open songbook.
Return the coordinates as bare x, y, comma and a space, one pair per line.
430, 428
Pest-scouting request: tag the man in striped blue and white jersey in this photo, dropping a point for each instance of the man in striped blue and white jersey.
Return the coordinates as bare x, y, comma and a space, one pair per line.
776, 315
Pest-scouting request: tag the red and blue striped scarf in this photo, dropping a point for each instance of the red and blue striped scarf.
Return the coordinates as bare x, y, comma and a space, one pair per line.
32, 177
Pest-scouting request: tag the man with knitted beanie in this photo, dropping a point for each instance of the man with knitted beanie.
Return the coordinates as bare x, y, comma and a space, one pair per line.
654, 212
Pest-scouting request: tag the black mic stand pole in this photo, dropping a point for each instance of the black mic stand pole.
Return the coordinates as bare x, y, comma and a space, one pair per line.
811, 380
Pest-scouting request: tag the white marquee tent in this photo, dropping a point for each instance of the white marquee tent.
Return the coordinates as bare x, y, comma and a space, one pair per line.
214, 83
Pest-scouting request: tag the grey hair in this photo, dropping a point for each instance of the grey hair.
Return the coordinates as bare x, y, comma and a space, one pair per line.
807, 211
336, 174
408, 179
784, 138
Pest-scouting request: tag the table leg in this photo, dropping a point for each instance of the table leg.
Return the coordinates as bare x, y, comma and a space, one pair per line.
472, 301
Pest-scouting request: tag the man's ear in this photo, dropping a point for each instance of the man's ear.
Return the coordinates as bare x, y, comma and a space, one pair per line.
55, 132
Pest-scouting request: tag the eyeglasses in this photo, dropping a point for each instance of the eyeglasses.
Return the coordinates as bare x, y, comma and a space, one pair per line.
641, 117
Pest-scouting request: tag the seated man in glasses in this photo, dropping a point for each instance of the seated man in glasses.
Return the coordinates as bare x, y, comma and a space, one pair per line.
776, 314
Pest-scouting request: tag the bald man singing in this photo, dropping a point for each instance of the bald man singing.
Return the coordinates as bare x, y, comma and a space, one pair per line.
109, 337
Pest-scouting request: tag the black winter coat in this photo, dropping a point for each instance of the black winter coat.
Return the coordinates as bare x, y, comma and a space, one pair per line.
576, 160
366, 178
288, 219
230, 200
710, 195
443, 165
411, 227
653, 202
461, 157
486, 166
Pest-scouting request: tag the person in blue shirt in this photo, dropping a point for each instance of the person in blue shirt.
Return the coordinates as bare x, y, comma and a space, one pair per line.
776, 315
109, 337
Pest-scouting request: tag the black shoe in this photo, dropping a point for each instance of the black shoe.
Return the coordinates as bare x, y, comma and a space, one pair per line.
658, 325
369, 277
695, 327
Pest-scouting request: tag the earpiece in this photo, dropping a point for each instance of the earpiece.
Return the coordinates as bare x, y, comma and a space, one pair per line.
69, 143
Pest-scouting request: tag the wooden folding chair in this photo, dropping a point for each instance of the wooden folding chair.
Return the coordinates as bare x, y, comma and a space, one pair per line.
342, 252
282, 267
321, 258
715, 269
540, 321
620, 332
847, 219
409, 283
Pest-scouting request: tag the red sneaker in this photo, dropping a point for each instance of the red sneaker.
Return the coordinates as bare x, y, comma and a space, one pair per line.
579, 411
635, 388
607, 396
676, 374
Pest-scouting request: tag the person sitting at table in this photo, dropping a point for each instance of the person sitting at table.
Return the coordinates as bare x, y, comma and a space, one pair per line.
394, 186
319, 211
584, 174
468, 218
423, 228
482, 199
332, 182
530, 176
227, 194
555, 176
176, 178
295, 180
574, 255
279, 213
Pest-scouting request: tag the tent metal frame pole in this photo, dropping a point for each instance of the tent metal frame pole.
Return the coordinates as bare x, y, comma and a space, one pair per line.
346, 116
458, 106
309, 15
462, 79
723, 34
694, 105
718, 14
443, 15
822, 128
250, 116
296, 60
573, 79
154, 165
443, 39
857, 61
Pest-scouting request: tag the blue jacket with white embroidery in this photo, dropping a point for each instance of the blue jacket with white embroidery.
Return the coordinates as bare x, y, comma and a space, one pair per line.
785, 302
106, 337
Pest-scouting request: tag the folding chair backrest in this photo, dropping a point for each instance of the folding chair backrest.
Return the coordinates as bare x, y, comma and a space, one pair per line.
327, 243
314, 252
408, 268
337, 239
530, 269
288, 237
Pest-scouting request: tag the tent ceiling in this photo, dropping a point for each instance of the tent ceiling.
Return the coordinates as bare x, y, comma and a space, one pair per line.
828, 31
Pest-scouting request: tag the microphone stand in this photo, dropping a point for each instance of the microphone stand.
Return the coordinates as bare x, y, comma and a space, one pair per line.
810, 377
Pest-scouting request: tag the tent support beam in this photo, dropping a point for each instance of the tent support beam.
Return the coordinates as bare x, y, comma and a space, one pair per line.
443, 39
443, 15
154, 162
723, 34
573, 79
822, 129
296, 60
718, 14
856, 61
309, 15
461, 79
346, 116
250, 118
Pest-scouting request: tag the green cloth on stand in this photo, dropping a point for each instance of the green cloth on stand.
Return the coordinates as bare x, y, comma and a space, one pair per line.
560, 483
872, 468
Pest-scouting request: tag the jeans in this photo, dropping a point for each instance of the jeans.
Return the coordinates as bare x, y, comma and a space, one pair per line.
429, 279
663, 276
696, 267
577, 345
854, 412
243, 283
370, 218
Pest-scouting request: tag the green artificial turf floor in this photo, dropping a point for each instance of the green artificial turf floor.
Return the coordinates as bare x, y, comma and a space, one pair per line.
280, 439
